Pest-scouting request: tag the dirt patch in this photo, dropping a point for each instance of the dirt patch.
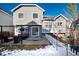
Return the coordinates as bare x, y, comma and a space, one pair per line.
21, 47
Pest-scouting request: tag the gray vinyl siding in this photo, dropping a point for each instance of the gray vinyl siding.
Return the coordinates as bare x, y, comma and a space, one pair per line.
6, 19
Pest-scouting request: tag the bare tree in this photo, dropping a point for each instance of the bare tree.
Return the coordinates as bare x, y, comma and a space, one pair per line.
74, 11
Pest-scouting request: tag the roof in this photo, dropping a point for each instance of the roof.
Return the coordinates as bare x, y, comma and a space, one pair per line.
60, 16
32, 23
48, 18
29, 5
5, 12
53, 18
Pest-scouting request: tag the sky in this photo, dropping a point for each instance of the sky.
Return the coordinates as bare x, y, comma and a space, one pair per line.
51, 9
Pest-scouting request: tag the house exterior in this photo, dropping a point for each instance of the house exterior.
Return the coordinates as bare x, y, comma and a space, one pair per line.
33, 21
6, 20
29, 15
47, 24
58, 24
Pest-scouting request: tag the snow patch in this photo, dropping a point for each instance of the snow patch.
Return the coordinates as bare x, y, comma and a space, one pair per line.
47, 51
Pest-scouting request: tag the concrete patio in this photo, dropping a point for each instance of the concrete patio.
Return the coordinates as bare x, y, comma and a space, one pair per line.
30, 41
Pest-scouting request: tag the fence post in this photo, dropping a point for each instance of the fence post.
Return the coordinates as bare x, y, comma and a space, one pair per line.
67, 50
56, 45
21, 34
1, 35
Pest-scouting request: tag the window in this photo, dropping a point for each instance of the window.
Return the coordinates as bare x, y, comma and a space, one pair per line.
35, 15
50, 26
59, 23
35, 31
20, 15
46, 26
60, 31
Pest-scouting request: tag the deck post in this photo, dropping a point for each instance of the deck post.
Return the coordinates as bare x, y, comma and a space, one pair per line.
21, 35
67, 49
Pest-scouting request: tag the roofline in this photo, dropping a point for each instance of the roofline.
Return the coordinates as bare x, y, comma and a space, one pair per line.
27, 4
47, 20
5, 12
61, 15
48, 16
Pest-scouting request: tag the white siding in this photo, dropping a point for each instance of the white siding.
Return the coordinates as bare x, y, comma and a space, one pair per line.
46, 26
28, 15
55, 28
62, 28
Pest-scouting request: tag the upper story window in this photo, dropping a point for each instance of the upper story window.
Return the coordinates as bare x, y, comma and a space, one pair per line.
20, 15
35, 15
48, 25
59, 23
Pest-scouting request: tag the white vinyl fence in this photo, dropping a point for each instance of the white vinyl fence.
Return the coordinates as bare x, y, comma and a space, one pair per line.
61, 48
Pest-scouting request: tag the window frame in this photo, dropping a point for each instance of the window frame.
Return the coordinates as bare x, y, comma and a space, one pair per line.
20, 15
59, 23
35, 15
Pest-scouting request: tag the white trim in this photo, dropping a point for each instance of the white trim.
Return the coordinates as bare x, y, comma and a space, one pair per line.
25, 5
35, 27
62, 16
5, 12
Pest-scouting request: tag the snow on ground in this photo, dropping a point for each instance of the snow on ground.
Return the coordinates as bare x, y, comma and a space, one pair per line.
50, 50
56, 49
47, 51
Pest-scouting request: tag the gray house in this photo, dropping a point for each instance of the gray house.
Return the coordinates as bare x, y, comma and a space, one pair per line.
6, 19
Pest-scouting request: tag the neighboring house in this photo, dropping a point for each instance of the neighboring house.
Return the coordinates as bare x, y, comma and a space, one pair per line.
47, 24
55, 25
6, 20
30, 15
61, 24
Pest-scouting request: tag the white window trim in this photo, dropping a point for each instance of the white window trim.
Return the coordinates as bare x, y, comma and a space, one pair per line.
34, 27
